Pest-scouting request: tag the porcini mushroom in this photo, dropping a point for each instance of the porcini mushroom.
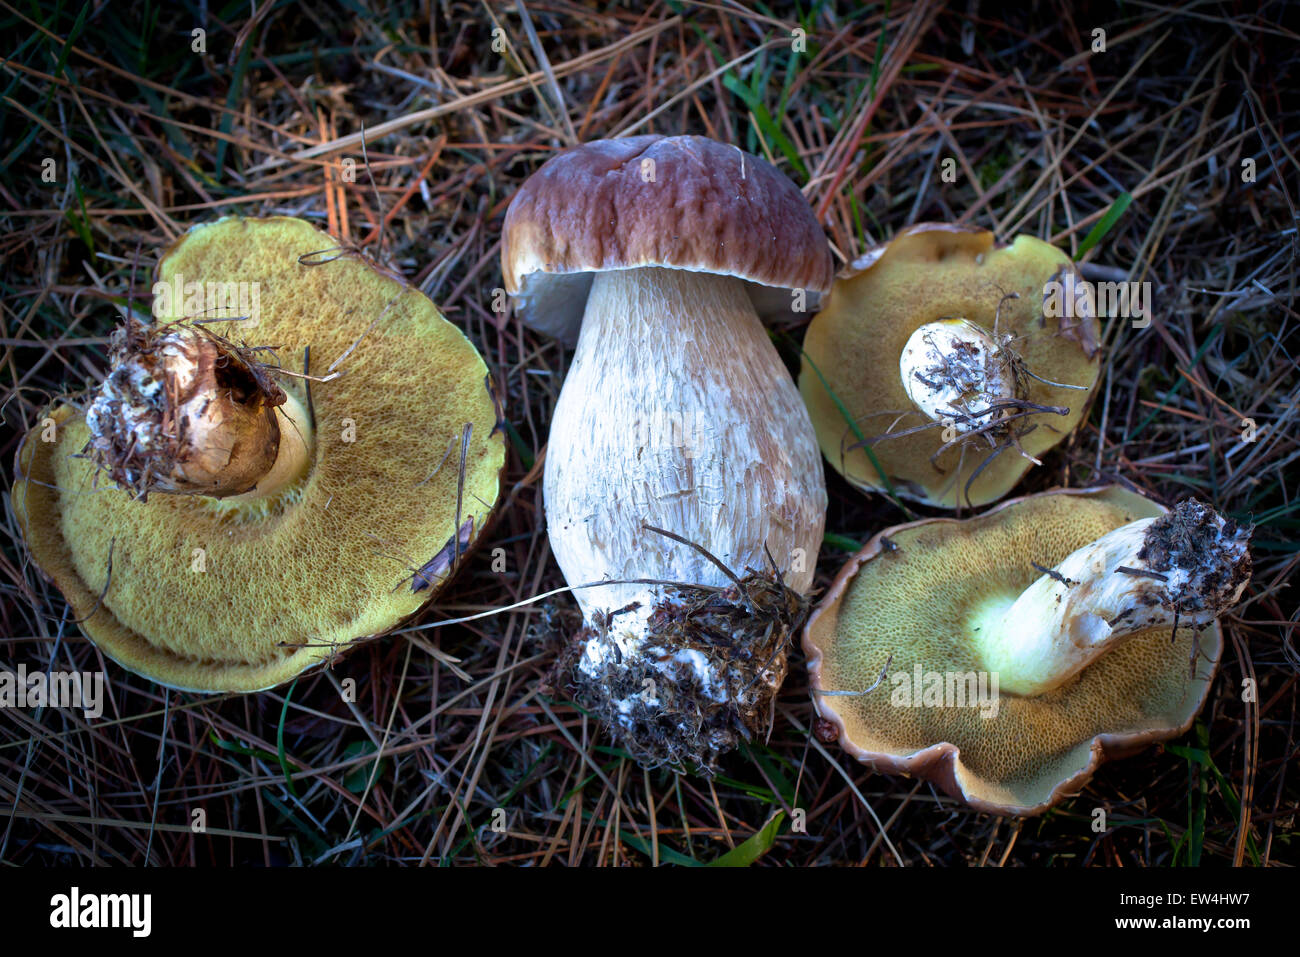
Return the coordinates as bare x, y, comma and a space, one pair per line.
956, 361
1011, 653
677, 415
218, 524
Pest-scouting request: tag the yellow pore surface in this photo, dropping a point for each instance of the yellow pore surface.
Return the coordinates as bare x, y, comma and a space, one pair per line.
919, 603
215, 596
925, 275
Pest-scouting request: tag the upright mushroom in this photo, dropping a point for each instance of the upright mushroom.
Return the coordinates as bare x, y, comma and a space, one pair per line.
936, 352
217, 524
1005, 656
677, 414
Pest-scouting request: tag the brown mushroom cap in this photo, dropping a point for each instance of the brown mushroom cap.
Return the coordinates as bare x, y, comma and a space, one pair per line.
912, 592
930, 272
683, 202
362, 541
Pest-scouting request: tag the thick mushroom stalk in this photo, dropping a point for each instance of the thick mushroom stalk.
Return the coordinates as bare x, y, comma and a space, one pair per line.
678, 414
1184, 568
185, 412
955, 371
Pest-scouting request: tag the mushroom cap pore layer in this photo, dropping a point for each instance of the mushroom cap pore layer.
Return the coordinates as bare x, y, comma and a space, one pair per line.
914, 592
212, 597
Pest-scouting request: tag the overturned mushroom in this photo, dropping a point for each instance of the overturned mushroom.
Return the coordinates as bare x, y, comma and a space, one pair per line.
1011, 653
936, 352
217, 520
677, 417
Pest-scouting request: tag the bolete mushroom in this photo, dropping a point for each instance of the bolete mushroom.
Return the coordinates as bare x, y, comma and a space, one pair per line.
217, 523
678, 416
935, 351
1005, 656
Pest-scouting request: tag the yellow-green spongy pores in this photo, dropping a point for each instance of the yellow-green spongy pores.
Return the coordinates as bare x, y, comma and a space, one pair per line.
209, 596
915, 599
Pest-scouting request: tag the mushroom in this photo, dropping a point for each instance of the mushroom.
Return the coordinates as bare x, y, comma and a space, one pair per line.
219, 521
677, 417
937, 350
1005, 656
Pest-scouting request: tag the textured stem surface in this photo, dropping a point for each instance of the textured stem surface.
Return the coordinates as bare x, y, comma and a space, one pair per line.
1186, 567
678, 413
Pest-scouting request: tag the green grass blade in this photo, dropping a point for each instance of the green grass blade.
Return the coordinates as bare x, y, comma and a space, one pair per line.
742, 855
1098, 232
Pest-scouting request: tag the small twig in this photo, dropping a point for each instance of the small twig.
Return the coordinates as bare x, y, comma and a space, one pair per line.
112, 542
699, 548
1054, 575
1141, 573
858, 694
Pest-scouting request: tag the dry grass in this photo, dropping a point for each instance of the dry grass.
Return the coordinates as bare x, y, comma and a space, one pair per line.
148, 136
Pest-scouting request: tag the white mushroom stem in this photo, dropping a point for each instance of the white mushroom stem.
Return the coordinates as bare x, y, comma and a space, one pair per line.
677, 413
1184, 568
953, 370
184, 412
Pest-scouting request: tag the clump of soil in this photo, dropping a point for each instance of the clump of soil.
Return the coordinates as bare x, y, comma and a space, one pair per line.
665, 710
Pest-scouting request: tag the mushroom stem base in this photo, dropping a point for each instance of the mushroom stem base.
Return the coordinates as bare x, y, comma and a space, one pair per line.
703, 677
957, 373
